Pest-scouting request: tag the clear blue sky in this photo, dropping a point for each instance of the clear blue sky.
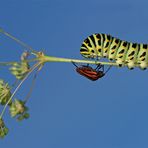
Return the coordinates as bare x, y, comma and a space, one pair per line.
67, 110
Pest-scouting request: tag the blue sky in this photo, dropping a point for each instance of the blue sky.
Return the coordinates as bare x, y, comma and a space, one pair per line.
67, 110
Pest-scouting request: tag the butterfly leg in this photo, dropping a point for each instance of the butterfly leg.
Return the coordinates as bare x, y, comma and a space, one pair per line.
108, 69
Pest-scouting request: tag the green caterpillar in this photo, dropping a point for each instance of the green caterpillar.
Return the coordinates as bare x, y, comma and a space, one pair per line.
122, 52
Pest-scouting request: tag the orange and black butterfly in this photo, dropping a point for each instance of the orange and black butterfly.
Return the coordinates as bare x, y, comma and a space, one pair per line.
91, 73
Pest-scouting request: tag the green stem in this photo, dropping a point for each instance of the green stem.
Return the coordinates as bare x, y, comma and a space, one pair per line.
31, 87
56, 59
33, 68
11, 63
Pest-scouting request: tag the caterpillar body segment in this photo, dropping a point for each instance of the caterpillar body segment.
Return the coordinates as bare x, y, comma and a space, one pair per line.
113, 48
131, 55
87, 49
122, 52
106, 45
142, 58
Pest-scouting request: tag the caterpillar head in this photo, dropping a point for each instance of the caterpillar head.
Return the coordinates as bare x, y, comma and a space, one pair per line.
88, 51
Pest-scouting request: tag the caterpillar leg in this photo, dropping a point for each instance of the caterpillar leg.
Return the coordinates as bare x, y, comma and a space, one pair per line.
120, 63
143, 65
142, 56
131, 65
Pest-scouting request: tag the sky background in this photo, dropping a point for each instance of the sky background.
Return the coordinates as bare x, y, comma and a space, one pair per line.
68, 110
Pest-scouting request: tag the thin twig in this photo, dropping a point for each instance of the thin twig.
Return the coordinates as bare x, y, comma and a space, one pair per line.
18, 41
17, 88
31, 87
11, 63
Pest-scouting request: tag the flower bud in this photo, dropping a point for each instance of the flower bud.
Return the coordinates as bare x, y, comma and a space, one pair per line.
5, 93
19, 70
18, 108
3, 129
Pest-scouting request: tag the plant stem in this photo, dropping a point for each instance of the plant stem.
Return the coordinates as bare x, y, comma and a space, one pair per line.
56, 59
32, 86
17, 88
18, 41
11, 63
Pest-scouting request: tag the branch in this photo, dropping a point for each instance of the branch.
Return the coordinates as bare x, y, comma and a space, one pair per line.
18, 41
57, 59
33, 68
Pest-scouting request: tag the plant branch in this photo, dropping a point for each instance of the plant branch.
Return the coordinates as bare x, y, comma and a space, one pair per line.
56, 59
17, 88
31, 87
18, 41
12, 62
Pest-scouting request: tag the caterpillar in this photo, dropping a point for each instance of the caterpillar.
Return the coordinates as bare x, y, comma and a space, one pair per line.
100, 45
